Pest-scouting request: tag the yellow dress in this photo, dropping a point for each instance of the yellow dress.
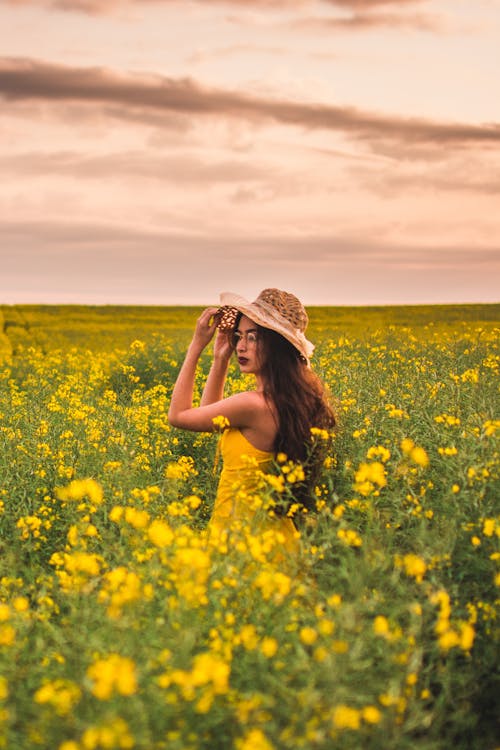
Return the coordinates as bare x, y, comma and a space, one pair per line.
235, 500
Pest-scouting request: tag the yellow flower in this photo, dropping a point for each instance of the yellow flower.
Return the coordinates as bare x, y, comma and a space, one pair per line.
369, 475
4, 688
78, 489
340, 647
208, 668
326, 627
467, 635
248, 636
489, 526
321, 434
72, 535
491, 426
371, 714
182, 469
116, 513
4, 612
82, 562
448, 640
254, 739
414, 566
448, 451
381, 626
160, 533
62, 695
220, 423
379, 452
190, 568
113, 673
350, 537
273, 584
139, 519
320, 654
193, 501
335, 600
419, 456
344, 717
308, 636
407, 446
114, 733
269, 647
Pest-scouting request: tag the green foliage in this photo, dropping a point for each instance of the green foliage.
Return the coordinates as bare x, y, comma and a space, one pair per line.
125, 623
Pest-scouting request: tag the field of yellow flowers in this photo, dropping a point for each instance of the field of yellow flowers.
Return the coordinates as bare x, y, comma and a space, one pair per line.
124, 625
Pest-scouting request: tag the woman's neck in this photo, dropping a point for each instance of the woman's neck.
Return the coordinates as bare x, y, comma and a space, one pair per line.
260, 384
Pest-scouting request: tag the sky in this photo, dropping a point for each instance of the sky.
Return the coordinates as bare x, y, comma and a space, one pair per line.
159, 152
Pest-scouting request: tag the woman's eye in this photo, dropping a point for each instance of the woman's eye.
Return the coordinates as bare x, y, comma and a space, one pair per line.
251, 337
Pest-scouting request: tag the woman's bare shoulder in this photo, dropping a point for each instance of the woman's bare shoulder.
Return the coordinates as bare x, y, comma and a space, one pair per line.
255, 400
262, 425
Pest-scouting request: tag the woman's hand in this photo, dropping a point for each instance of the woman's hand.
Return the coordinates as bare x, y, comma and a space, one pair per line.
223, 347
205, 328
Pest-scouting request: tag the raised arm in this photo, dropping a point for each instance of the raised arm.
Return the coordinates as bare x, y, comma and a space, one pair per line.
182, 395
240, 409
214, 387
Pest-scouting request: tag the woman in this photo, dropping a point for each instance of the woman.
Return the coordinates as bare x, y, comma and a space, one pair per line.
275, 418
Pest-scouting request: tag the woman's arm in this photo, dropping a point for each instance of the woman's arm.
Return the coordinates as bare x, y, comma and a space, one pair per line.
240, 409
182, 395
214, 387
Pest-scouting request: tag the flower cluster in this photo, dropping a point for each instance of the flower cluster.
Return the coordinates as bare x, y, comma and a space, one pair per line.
128, 622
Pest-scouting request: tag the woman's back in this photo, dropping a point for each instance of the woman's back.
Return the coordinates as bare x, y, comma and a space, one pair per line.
238, 502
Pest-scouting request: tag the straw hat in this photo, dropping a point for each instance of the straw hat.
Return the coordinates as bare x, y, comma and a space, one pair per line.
280, 311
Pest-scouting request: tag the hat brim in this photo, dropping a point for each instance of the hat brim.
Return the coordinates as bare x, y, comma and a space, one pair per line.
265, 316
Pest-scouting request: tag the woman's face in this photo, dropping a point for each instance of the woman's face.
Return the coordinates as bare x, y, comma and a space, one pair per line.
248, 346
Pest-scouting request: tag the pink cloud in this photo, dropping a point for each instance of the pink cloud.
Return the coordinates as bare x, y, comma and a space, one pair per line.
362, 15
104, 6
24, 80
75, 261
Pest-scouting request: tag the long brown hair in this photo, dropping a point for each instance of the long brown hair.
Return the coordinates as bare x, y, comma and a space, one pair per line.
301, 402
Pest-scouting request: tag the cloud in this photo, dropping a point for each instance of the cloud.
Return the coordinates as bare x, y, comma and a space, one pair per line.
253, 182
63, 241
202, 55
24, 80
362, 5
85, 262
362, 15
106, 6
178, 168
367, 20
474, 174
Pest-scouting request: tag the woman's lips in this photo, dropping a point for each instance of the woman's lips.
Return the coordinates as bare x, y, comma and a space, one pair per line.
242, 360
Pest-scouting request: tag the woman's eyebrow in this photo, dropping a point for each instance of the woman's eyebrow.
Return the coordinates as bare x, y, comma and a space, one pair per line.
247, 330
